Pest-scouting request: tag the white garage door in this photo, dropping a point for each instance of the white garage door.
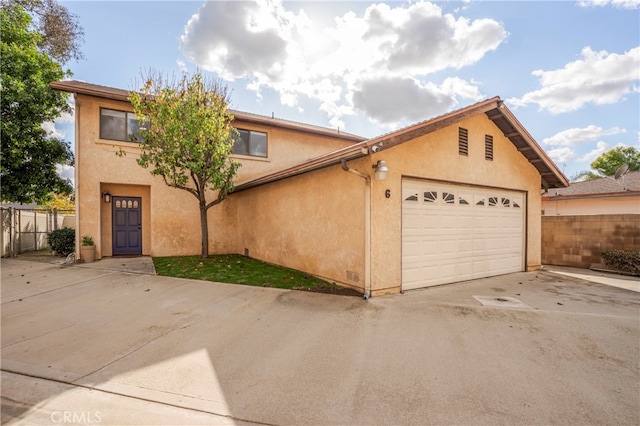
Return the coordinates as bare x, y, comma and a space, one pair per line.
454, 233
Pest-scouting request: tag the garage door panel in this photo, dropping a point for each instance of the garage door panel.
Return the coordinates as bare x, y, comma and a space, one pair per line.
452, 233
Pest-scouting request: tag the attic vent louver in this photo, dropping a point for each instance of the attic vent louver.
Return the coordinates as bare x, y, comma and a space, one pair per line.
463, 141
488, 147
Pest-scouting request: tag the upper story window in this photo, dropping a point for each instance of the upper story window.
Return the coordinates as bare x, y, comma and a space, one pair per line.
250, 142
119, 126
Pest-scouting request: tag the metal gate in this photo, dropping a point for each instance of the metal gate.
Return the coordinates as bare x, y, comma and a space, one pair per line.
26, 229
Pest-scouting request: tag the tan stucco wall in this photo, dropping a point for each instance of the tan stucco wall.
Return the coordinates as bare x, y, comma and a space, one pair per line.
314, 222
286, 148
591, 206
170, 222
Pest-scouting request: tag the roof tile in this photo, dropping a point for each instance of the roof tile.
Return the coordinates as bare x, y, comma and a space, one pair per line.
605, 185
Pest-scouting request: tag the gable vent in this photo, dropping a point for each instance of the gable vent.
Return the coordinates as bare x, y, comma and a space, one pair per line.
463, 141
488, 147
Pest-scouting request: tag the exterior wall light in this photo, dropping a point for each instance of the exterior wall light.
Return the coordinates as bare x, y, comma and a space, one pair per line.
106, 197
381, 171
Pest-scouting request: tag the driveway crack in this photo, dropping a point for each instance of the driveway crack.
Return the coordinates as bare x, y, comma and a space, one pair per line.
58, 288
131, 352
39, 335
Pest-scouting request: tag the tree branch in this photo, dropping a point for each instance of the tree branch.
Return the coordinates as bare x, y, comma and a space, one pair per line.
184, 188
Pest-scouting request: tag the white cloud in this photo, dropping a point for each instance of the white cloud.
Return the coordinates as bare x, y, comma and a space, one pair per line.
562, 155
238, 39
51, 128
621, 4
67, 117
66, 172
346, 67
598, 78
580, 136
601, 148
182, 66
392, 100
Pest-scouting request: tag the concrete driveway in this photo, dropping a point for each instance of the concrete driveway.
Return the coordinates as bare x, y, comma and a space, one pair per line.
98, 346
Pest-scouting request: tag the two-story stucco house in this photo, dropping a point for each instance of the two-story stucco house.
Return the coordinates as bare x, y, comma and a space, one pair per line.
452, 198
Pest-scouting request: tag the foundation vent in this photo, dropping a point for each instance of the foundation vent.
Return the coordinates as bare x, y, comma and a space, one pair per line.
353, 276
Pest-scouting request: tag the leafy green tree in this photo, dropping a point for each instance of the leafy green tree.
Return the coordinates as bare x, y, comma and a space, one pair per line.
29, 156
61, 202
188, 138
61, 33
611, 160
585, 175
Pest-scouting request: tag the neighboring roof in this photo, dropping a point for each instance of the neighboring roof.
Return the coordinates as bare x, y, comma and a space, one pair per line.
495, 110
628, 184
73, 86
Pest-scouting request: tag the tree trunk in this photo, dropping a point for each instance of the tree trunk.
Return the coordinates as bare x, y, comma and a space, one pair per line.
204, 229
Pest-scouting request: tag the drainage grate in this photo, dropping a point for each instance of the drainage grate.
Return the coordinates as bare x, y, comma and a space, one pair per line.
503, 301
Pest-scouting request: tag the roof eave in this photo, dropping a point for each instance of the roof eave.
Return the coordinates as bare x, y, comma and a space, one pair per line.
335, 157
586, 196
114, 94
551, 176
428, 126
383, 142
123, 96
263, 120
494, 108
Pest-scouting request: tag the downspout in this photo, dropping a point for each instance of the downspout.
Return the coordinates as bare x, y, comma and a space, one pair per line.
76, 172
367, 226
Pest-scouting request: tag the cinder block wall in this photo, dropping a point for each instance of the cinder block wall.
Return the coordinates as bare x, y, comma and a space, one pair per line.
578, 241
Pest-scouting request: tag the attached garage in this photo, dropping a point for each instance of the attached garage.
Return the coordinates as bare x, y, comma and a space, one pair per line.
454, 232
450, 199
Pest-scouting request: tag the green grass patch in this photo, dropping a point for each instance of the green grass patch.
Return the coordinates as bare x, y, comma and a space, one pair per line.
237, 269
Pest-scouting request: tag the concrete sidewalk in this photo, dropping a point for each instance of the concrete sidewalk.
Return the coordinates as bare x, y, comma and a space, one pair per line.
132, 348
616, 280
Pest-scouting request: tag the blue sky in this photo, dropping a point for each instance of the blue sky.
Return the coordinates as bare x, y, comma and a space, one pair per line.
569, 70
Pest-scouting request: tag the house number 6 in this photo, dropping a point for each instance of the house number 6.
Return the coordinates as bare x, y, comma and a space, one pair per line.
387, 193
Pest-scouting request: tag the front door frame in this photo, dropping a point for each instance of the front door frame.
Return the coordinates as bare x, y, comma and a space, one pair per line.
126, 238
